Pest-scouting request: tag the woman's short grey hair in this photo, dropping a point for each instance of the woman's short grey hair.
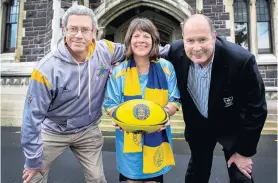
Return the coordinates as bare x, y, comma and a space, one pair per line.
79, 10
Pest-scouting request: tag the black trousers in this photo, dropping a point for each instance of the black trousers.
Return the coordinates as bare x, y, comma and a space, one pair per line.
199, 166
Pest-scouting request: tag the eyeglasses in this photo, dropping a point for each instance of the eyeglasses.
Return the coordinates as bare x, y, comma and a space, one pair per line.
74, 30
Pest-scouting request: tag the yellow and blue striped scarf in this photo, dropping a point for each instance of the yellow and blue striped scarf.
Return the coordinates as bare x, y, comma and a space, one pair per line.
157, 152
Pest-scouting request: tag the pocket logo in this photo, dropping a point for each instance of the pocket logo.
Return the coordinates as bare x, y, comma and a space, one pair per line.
101, 72
228, 101
65, 90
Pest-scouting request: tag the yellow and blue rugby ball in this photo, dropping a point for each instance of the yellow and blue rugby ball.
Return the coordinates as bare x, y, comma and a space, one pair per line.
139, 116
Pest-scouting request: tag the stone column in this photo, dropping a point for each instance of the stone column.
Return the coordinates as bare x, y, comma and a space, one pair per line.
199, 5
253, 28
1, 25
274, 14
100, 32
21, 15
230, 24
56, 22
86, 3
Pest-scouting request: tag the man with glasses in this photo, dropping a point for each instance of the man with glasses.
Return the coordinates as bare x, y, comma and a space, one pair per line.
64, 100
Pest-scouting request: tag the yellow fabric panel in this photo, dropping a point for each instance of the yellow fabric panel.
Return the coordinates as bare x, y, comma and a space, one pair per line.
132, 86
37, 76
159, 96
155, 158
167, 71
132, 142
119, 74
110, 46
91, 50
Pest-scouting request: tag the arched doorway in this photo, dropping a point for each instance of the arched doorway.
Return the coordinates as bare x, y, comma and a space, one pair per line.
115, 16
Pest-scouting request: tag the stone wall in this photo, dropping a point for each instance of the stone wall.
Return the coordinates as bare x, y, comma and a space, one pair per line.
192, 3
93, 4
48, 33
215, 9
36, 25
269, 75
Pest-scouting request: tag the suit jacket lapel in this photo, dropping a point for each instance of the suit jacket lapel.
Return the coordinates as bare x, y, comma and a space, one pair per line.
183, 71
218, 73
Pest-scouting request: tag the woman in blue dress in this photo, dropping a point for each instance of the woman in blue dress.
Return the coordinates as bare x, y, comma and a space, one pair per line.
143, 75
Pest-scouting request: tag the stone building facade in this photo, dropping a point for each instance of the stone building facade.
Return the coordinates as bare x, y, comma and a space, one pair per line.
30, 29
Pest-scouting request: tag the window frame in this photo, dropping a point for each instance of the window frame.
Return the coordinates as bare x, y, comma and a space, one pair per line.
8, 32
270, 50
247, 2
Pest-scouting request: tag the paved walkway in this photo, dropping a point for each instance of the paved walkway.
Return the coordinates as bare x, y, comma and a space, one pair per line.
67, 169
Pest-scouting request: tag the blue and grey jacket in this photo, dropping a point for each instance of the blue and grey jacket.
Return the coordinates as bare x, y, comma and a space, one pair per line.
65, 96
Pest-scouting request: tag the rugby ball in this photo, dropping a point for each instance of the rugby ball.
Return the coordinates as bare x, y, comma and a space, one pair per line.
140, 116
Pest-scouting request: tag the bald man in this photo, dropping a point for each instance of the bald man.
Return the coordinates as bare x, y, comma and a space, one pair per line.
223, 100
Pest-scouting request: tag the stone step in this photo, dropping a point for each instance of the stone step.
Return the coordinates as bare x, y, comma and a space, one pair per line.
11, 121
12, 115
105, 125
16, 109
110, 128
272, 117
10, 104
269, 131
173, 122
8, 101
13, 97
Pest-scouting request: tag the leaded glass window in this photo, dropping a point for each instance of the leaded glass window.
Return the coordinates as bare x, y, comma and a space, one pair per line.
241, 19
263, 26
11, 25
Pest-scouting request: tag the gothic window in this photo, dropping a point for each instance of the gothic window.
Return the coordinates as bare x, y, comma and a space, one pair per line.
12, 9
263, 26
241, 19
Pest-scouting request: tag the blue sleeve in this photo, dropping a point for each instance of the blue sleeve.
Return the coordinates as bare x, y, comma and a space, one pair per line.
174, 94
36, 105
113, 94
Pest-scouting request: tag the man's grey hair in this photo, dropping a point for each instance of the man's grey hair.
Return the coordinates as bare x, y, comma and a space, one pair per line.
212, 29
79, 10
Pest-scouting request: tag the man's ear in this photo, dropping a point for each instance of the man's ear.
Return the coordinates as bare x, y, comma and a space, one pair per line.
94, 34
214, 36
63, 31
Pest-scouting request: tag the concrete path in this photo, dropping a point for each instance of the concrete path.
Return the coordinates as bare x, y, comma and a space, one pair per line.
67, 169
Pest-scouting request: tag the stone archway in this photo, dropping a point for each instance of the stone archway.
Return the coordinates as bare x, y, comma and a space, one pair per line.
110, 10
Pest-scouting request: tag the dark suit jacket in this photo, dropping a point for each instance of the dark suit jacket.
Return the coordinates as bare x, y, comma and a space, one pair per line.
236, 108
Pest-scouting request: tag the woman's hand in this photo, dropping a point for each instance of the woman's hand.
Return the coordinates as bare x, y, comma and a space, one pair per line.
165, 125
170, 109
116, 126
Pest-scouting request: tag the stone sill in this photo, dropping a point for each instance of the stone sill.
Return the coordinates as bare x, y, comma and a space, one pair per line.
267, 59
7, 57
271, 89
17, 68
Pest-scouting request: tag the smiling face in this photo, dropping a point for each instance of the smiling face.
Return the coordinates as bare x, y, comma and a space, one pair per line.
142, 39
79, 34
141, 43
199, 40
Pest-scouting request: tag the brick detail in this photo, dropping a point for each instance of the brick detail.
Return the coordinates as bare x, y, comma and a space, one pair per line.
37, 24
93, 4
215, 9
269, 75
